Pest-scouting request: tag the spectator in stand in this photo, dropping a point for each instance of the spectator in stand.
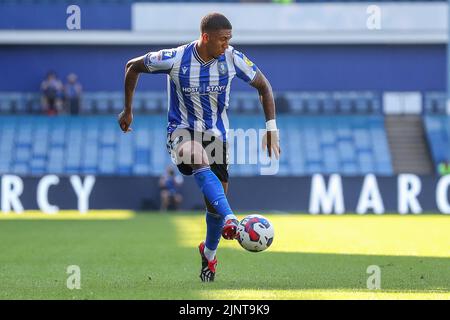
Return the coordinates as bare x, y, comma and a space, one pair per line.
169, 184
72, 94
52, 94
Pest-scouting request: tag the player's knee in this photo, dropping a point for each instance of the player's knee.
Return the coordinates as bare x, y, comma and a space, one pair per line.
192, 153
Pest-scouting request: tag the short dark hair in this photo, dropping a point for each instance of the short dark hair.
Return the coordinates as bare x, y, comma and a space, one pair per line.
214, 22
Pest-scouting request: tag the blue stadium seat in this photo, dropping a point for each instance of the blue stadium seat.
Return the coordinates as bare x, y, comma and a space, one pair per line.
366, 162
296, 103
94, 145
362, 103
344, 133
141, 169
117, 101
350, 168
23, 154
344, 102
20, 169
435, 103
87, 103
11, 102
331, 159
102, 103
362, 139
329, 105
312, 103
297, 165
150, 102
124, 170
107, 138
6, 145
244, 102
38, 165
283, 171
346, 150
438, 132
155, 102
90, 159
313, 168
4, 167
384, 168
24, 136
107, 161
58, 136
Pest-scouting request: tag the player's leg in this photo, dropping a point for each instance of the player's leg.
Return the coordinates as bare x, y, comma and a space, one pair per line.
192, 158
208, 248
214, 227
212, 177
208, 182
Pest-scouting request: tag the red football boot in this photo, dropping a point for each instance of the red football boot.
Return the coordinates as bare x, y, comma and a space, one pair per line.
229, 229
208, 271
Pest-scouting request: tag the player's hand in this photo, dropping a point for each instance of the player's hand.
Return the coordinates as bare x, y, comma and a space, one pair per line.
125, 119
271, 142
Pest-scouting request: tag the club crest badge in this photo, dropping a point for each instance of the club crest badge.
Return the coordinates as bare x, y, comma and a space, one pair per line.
223, 69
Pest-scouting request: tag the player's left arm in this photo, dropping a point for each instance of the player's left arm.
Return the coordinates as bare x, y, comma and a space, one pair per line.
271, 137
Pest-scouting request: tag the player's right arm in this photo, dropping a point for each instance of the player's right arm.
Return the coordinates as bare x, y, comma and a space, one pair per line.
132, 70
153, 62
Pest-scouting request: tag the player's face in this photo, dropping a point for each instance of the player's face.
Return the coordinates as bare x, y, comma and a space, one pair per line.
218, 42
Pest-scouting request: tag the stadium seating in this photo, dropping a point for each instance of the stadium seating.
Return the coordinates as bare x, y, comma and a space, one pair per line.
35, 145
435, 103
350, 145
351, 102
438, 133
246, 102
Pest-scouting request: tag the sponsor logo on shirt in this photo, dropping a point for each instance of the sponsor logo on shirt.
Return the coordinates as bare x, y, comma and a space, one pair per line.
203, 89
248, 62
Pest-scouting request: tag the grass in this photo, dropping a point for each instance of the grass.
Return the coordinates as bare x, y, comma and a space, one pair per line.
154, 256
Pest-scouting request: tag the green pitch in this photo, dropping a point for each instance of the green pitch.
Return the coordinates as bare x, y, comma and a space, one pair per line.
155, 256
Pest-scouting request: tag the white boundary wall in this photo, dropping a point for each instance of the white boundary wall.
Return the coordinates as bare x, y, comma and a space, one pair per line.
310, 23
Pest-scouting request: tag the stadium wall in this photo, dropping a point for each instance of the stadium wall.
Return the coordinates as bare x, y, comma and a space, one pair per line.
289, 67
305, 23
53, 16
335, 194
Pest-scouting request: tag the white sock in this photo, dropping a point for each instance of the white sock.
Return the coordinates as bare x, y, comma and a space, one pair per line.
209, 254
230, 216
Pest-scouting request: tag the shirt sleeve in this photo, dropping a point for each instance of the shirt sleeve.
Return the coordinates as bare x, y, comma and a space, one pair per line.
245, 69
160, 61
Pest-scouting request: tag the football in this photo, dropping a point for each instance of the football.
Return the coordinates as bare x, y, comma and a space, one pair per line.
255, 233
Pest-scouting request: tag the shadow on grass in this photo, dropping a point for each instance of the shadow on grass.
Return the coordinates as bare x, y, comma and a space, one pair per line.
283, 271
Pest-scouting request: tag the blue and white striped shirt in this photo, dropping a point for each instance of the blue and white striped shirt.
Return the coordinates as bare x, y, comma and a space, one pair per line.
199, 91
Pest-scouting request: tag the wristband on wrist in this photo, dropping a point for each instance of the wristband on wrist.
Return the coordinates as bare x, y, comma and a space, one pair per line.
271, 125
